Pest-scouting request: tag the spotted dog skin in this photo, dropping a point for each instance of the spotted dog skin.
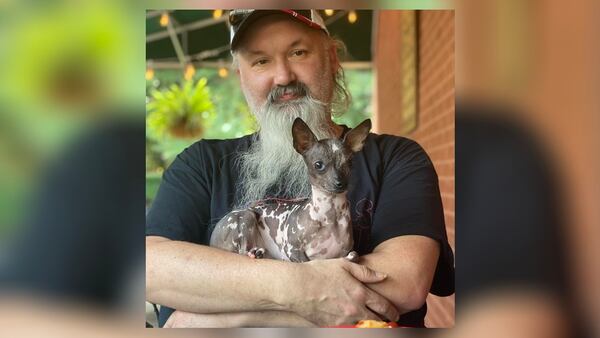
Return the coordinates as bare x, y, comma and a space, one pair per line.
300, 230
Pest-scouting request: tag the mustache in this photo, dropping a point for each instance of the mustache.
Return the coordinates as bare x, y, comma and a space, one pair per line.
297, 89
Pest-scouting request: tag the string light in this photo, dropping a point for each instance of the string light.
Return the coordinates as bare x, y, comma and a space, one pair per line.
329, 12
223, 72
217, 13
352, 17
164, 20
189, 72
149, 73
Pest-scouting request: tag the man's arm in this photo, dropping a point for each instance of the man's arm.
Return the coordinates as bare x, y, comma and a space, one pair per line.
201, 279
182, 319
410, 262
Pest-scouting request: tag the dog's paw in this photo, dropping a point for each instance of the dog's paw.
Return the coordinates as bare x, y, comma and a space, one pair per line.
256, 253
352, 256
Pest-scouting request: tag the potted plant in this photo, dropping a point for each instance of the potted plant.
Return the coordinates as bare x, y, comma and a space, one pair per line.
183, 111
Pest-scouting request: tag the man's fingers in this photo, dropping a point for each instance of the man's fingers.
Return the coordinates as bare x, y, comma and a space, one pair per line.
382, 306
370, 315
364, 274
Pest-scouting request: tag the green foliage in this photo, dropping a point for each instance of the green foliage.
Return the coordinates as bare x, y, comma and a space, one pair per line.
234, 118
360, 85
183, 111
231, 117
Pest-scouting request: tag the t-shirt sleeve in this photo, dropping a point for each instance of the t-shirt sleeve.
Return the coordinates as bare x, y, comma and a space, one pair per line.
180, 210
409, 203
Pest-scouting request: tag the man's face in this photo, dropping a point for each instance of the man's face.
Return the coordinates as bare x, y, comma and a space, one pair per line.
285, 70
279, 51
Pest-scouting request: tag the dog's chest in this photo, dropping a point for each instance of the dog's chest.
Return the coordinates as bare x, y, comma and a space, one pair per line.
333, 235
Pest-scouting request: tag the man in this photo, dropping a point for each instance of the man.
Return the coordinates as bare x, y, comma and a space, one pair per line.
288, 67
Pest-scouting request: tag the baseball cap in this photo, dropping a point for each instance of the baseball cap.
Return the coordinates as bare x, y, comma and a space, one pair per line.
241, 19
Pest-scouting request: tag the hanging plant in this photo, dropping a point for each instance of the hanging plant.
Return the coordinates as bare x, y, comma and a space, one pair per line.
181, 111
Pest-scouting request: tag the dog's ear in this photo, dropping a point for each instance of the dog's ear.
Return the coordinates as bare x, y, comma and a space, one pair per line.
304, 138
355, 138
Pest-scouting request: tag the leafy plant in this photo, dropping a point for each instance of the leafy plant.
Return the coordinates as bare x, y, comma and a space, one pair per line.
182, 111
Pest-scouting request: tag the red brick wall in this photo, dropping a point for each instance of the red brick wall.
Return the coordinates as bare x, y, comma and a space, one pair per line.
435, 116
435, 127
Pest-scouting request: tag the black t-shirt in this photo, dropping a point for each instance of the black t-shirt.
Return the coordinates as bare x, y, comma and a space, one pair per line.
393, 191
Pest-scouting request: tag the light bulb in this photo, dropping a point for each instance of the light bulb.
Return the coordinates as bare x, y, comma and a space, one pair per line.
189, 72
223, 72
149, 73
352, 17
164, 20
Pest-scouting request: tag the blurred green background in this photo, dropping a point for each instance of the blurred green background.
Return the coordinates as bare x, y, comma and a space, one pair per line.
66, 69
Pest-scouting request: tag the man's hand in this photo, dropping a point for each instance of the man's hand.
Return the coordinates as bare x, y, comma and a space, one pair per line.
331, 292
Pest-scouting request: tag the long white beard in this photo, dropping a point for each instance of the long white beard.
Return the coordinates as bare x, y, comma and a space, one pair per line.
272, 167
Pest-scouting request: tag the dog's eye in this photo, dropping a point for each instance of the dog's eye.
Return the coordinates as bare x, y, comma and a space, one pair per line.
319, 165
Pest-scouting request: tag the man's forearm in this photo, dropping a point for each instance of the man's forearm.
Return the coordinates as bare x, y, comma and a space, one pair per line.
273, 319
409, 262
199, 279
180, 319
202, 279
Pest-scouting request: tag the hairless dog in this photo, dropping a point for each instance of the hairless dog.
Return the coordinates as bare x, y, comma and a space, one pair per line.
300, 230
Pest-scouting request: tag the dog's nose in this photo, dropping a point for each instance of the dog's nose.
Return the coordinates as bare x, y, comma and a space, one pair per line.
339, 185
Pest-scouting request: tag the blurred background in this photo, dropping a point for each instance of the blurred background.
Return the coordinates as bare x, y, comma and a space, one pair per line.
74, 133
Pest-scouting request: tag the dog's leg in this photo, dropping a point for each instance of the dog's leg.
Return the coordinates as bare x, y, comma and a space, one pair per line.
256, 252
238, 232
352, 256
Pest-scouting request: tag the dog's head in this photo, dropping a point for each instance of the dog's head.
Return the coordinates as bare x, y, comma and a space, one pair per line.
329, 161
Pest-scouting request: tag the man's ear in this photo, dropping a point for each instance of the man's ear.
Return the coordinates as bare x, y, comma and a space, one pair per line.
304, 138
355, 138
